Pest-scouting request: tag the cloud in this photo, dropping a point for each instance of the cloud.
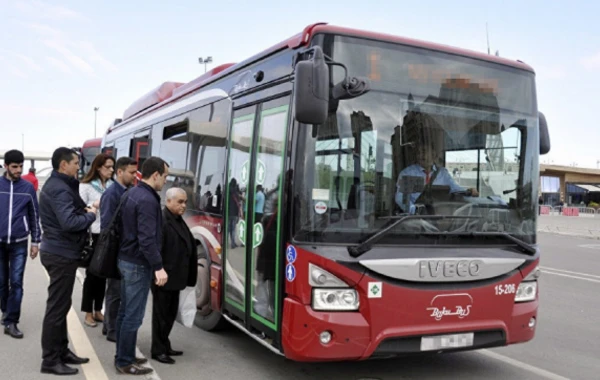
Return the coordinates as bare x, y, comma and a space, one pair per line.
93, 55
43, 10
44, 30
76, 61
592, 62
28, 61
59, 65
11, 69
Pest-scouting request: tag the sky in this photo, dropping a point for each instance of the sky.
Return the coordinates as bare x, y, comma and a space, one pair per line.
60, 59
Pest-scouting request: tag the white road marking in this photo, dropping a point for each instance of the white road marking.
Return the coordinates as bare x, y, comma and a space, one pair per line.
83, 347
570, 272
590, 246
521, 365
77, 323
570, 276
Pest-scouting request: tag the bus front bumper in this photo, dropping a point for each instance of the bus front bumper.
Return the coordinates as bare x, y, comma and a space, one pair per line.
353, 338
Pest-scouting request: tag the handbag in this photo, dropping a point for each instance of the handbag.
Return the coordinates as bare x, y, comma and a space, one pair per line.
87, 253
104, 263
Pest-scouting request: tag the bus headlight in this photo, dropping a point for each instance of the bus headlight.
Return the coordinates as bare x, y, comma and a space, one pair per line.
335, 299
526, 292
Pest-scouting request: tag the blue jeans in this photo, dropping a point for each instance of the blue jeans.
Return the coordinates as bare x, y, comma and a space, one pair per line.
13, 258
135, 286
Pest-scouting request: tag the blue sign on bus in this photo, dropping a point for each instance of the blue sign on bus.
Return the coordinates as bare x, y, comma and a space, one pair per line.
291, 254
290, 272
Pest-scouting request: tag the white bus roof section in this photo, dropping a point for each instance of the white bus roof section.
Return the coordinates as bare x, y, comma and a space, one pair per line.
144, 119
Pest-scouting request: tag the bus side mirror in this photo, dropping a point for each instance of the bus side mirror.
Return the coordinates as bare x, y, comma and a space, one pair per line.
311, 89
544, 135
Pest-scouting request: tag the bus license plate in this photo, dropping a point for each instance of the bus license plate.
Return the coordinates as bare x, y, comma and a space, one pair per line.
441, 342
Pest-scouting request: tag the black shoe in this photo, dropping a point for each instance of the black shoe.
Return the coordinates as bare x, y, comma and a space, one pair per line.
111, 338
164, 358
171, 352
59, 369
71, 358
140, 361
13, 331
134, 369
104, 331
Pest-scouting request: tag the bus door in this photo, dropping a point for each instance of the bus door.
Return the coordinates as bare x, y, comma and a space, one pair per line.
253, 234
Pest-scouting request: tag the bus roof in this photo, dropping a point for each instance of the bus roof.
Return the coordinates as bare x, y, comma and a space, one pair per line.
170, 92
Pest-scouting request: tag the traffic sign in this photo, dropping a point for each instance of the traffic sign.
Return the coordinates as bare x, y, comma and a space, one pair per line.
290, 254
261, 172
258, 234
290, 272
242, 230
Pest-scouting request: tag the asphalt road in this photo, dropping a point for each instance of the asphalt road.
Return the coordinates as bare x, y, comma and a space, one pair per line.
566, 346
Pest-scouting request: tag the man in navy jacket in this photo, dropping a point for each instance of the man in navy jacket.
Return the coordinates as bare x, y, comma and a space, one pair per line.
65, 223
126, 170
19, 218
139, 259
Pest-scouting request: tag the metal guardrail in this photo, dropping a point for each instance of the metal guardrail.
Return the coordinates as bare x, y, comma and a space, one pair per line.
569, 211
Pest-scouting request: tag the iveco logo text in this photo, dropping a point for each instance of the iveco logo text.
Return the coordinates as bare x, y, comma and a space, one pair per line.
449, 268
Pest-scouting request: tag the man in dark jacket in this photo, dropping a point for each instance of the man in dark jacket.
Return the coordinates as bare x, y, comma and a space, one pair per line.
139, 259
126, 169
180, 261
19, 218
65, 223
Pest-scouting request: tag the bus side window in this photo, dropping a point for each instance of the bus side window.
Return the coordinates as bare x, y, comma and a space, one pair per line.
206, 160
174, 150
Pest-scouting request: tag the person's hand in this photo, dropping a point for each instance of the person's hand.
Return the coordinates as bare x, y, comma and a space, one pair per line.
91, 209
161, 277
96, 204
34, 252
474, 192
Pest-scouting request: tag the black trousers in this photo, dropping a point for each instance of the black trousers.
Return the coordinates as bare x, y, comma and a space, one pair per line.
55, 340
94, 288
113, 301
165, 305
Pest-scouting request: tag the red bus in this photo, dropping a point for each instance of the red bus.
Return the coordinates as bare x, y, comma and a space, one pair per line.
88, 151
321, 232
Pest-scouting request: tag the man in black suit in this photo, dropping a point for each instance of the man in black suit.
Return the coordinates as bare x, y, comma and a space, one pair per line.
180, 262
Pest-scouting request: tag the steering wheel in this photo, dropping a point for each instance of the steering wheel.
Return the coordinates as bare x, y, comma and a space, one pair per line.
464, 193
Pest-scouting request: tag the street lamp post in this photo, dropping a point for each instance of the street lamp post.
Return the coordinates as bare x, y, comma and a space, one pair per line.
95, 118
206, 61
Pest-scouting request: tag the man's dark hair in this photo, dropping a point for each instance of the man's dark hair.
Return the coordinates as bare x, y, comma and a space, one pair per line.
62, 154
13, 157
124, 162
153, 165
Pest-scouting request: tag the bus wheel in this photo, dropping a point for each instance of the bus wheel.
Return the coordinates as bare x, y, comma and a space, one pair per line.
206, 318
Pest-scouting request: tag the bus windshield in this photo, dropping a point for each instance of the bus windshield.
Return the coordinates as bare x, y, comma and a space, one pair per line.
438, 134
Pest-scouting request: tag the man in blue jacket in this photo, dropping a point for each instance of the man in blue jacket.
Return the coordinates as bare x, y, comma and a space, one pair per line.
65, 223
126, 170
139, 259
19, 218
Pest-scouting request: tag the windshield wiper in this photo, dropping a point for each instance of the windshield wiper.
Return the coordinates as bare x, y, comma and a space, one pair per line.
366, 245
523, 245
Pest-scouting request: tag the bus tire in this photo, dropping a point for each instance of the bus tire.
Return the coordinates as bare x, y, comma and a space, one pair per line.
206, 318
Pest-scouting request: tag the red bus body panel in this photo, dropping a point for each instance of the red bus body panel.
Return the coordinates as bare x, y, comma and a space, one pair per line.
400, 312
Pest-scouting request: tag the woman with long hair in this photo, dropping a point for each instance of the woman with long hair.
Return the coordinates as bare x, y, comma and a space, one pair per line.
93, 185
